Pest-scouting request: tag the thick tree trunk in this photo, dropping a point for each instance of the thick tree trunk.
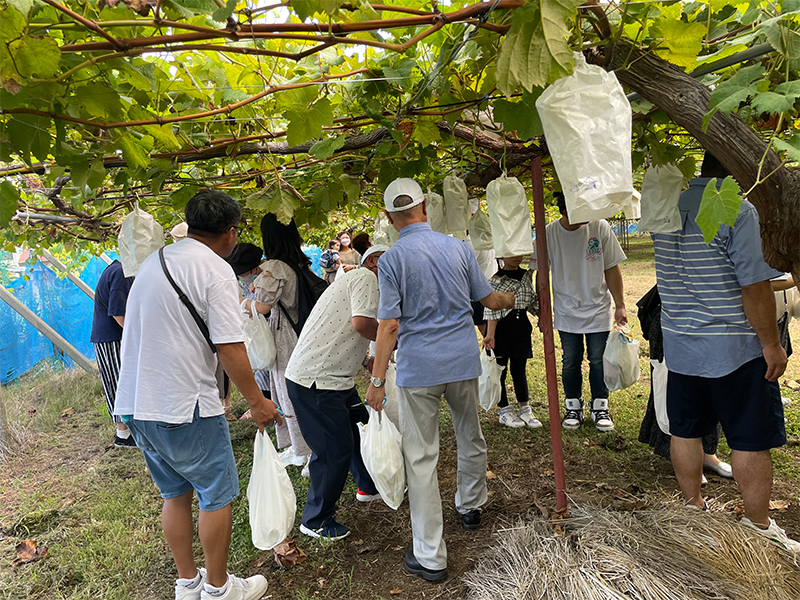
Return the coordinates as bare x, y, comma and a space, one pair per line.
728, 138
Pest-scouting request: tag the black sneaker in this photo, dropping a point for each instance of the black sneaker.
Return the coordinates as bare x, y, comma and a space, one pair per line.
471, 520
413, 567
127, 442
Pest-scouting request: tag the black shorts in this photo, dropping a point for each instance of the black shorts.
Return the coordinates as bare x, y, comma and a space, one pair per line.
477, 314
747, 406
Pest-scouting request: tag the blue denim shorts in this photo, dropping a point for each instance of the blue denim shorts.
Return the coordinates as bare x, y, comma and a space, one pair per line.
190, 456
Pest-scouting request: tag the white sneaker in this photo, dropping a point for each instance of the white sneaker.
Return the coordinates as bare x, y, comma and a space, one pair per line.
774, 534
600, 415
306, 472
251, 588
509, 419
722, 469
184, 592
786, 401
573, 417
703, 480
526, 416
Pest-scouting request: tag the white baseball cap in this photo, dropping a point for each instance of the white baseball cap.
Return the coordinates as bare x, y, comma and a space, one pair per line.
370, 251
403, 186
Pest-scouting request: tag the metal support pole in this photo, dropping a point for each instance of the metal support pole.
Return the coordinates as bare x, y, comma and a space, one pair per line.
45, 329
104, 257
546, 325
71, 276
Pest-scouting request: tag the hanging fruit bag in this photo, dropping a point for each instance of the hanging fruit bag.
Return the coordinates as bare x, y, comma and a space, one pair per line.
587, 124
509, 217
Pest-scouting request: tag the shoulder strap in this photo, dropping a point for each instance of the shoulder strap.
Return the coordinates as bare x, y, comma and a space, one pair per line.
186, 302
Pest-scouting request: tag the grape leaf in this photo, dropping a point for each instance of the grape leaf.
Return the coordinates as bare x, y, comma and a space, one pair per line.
9, 200
279, 198
351, 186
771, 102
729, 94
223, 12
23, 6
683, 41
133, 153
790, 146
308, 124
326, 148
180, 197
98, 100
35, 56
535, 52
29, 134
425, 132
521, 117
718, 207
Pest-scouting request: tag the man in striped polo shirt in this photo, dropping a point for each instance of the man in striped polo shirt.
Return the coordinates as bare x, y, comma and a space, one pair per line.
723, 352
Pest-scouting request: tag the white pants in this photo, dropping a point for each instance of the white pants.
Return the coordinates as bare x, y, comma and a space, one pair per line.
419, 425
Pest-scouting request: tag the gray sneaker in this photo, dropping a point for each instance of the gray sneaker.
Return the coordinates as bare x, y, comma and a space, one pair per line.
573, 417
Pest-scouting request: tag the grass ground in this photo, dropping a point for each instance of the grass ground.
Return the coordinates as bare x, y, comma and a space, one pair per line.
97, 511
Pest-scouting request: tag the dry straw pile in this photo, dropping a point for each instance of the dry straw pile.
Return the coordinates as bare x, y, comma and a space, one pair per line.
599, 554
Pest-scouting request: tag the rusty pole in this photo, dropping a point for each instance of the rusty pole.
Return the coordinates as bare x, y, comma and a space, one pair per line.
546, 323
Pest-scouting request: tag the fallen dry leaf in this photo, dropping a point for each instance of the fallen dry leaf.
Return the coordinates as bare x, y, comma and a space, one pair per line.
357, 542
397, 548
319, 570
395, 592
792, 384
548, 473
778, 504
368, 548
288, 554
28, 551
738, 510
490, 475
67, 412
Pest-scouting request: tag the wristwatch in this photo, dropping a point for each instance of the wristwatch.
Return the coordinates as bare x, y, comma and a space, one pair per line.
377, 381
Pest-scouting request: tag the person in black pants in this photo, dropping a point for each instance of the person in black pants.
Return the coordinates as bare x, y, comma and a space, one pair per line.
508, 333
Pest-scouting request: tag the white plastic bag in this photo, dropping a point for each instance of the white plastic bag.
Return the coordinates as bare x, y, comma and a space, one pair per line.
392, 407
661, 190
381, 450
587, 124
383, 231
489, 381
139, 236
271, 496
480, 231
659, 382
457, 209
621, 360
509, 217
437, 218
259, 341
633, 209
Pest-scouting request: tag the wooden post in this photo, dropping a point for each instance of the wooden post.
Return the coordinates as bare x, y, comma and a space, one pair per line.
546, 323
46, 330
72, 277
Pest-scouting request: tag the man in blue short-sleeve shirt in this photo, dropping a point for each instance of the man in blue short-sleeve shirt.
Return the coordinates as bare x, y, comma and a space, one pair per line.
723, 351
427, 281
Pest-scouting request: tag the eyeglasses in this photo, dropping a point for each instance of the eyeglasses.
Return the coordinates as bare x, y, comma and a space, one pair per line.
238, 230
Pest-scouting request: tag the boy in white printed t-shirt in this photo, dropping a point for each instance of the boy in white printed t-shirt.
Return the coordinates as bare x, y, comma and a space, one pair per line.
584, 264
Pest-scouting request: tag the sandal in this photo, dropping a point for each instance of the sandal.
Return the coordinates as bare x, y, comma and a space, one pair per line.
246, 416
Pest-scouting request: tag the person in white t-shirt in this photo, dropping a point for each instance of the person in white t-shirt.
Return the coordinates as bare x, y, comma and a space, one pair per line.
320, 380
584, 264
169, 397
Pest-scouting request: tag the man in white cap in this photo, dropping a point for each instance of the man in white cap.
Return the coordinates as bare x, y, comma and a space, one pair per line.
427, 281
320, 379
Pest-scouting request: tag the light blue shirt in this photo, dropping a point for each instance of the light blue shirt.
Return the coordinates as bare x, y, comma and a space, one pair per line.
427, 281
706, 332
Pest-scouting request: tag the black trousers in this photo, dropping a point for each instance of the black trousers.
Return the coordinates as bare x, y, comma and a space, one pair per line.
518, 376
327, 420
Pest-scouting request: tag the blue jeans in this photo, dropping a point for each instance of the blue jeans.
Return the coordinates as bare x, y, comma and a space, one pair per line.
571, 375
327, 420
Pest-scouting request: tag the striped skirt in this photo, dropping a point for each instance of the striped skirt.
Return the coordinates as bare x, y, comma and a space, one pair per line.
108, 360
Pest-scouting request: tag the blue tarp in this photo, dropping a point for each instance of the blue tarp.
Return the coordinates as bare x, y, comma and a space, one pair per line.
60, 304
63, 306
